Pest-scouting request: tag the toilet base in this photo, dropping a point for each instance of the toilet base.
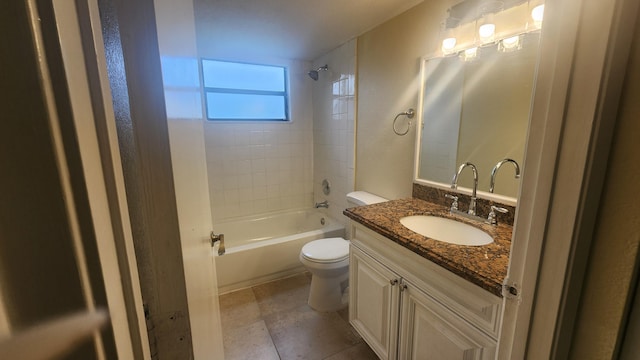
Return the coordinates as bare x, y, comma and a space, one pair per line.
328, 294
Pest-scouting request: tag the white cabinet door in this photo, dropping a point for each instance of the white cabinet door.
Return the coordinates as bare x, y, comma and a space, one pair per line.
373, 303
431, 331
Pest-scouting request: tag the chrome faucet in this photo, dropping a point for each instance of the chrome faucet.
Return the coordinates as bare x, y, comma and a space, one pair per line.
324, 204
497, 167
471, 213
454, 185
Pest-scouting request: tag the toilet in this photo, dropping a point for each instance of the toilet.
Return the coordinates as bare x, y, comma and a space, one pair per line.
328, 262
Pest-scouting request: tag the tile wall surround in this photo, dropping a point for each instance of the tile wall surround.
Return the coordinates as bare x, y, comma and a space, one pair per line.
255, 167
436, 196
333, 128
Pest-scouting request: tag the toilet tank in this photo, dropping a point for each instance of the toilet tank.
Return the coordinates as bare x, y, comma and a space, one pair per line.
360, 198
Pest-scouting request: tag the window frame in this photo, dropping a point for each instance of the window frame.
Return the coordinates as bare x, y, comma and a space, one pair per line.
285, 94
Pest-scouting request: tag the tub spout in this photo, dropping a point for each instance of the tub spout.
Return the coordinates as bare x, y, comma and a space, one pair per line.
324, 204
214, 239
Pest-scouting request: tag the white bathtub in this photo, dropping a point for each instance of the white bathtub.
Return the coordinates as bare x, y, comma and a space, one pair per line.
265, 248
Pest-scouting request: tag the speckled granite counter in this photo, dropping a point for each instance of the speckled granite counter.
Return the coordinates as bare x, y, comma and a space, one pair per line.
485, 266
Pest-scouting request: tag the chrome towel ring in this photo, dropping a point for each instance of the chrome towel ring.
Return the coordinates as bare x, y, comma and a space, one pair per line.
410, 113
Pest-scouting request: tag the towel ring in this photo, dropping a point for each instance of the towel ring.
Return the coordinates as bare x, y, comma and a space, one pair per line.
410, 113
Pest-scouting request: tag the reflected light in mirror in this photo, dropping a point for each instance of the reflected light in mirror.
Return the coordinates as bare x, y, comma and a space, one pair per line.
510, 44
470, 54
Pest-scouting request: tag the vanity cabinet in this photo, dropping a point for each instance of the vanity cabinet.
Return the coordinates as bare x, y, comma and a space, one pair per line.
406, 309
374, 300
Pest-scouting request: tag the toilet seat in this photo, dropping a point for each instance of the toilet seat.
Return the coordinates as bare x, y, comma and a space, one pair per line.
329, 250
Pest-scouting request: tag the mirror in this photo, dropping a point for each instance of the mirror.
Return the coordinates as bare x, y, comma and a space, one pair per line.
476, 110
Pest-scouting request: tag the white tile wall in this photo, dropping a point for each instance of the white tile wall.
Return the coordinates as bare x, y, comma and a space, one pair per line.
333, 127
258, 167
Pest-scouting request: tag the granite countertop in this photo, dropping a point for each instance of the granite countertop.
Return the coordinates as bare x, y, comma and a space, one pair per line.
485, 266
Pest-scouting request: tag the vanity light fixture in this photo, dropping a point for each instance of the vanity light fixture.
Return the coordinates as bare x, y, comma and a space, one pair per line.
486, 21
448, 44
448, 35
486, 30
489, 23
537, 14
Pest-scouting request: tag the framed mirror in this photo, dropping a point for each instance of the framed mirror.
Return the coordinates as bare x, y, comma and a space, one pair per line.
474, 107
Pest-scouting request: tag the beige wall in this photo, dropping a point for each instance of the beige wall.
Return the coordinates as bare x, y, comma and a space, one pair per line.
616, 239
388, 69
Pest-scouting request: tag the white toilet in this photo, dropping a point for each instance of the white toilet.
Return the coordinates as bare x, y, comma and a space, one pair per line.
328, 262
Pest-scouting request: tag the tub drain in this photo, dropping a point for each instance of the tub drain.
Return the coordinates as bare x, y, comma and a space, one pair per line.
322, 221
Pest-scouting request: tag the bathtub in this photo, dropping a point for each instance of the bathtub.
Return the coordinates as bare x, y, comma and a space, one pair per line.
265, 248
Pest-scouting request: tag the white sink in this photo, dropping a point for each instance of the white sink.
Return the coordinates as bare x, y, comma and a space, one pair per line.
446, 230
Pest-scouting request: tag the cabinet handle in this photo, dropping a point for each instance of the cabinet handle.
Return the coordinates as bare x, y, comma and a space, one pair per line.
403, 287
393, 282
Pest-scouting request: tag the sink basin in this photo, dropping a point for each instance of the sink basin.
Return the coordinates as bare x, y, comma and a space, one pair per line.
446, 230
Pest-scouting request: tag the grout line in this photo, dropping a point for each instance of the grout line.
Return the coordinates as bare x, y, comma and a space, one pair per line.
265, 323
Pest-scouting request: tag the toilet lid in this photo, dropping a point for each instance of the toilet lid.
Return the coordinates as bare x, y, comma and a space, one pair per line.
326, 250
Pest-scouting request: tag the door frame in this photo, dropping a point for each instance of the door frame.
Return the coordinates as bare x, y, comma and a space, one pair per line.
82, 48
584, 44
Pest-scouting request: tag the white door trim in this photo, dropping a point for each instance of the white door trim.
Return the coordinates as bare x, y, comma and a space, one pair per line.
118, 280
176, 29
583, 47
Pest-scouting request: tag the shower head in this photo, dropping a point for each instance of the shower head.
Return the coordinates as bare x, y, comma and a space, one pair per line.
314, 73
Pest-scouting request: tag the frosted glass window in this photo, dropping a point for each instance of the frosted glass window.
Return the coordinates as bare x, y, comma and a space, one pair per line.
239, 91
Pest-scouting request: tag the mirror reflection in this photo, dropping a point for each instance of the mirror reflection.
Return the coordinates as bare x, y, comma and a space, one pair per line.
476, 109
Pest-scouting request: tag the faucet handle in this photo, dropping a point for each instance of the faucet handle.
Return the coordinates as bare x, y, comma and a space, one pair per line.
492, 218
454, 204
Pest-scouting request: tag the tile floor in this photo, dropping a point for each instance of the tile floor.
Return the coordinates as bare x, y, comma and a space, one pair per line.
273, 321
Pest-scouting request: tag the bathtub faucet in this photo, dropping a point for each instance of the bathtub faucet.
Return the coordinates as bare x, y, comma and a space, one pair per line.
214, 239
324, 204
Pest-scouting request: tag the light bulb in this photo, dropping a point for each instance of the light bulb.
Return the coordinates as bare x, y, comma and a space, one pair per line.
537, 14
486, 32
448, 44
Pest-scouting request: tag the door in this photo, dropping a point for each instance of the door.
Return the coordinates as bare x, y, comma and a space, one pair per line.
431, 332
177, 43
194, 218
573, 114
60, 226
373, 303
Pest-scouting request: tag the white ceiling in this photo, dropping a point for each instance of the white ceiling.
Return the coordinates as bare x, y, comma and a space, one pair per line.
289, 29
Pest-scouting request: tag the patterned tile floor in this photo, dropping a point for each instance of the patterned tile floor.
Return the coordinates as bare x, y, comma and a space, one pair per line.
273, 321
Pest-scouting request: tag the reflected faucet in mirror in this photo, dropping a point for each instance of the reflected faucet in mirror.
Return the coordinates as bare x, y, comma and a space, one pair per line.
454, 185
495, 169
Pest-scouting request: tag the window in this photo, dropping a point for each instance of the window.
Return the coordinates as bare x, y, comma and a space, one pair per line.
238, 91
